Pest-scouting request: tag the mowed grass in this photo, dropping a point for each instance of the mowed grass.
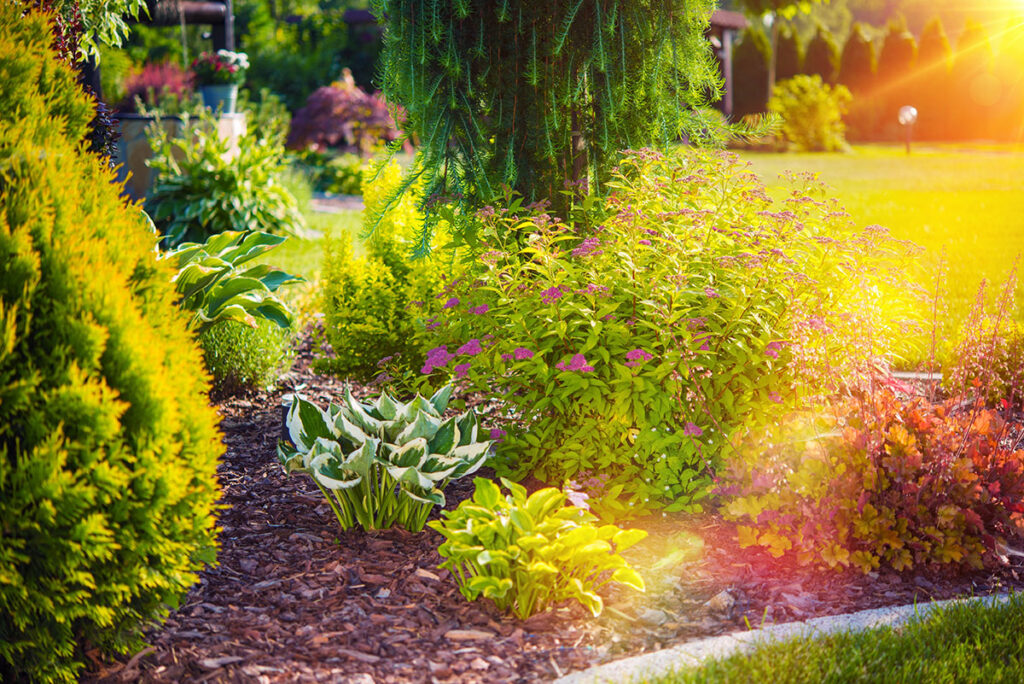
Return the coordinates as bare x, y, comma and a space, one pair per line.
957, 643
967, 201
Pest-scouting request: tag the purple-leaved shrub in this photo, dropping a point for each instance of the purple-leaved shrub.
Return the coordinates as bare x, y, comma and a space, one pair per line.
693, 308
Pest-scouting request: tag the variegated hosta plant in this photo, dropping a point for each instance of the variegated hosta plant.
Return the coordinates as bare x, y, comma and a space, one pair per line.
382, 463
527, 553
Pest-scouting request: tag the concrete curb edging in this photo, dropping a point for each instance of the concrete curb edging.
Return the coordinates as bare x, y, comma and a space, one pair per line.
694, 653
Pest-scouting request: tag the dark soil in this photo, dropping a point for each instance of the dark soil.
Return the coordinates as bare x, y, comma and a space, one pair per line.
295, 599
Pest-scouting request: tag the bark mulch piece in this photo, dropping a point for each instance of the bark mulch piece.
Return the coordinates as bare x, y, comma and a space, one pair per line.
295, 599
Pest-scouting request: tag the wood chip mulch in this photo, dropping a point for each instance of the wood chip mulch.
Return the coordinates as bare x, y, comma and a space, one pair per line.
294, 599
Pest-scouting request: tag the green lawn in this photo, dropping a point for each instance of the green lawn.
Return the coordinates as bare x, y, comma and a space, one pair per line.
966, 200
956, 643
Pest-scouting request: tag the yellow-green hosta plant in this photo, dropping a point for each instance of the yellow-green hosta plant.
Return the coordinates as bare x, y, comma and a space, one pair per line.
214, 286
528, 552
382, 463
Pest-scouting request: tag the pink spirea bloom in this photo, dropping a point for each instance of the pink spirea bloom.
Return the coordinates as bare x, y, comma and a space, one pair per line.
692, 430
497, 434
451, 303
472, 348
643, 242
462, 369
587, 247
551, 294
522, 353
479, 310
436, 358
710, 292
577, 363
637, 357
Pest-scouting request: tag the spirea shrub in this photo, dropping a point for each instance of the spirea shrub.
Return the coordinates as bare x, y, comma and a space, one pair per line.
812, 113
108, 446
374, 304
637, 349
345, 117
873, 481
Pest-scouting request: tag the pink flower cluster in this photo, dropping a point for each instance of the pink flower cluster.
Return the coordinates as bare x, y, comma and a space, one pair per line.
519, 354
472, 348
587, 247
577, 363
772, 349
551, 294
637, 357
437, 357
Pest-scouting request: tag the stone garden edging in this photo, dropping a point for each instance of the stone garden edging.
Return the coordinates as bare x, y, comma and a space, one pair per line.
695, 653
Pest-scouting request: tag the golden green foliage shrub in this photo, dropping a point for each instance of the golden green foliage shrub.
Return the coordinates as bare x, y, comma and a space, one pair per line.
108, 446
374, 304
241, 357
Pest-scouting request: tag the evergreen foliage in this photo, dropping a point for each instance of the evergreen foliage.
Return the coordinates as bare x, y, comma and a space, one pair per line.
375, 304
971, 77
931, 80
788, 56
896, 63
857, 68
534, 94
750, 73
822, 56
108, 446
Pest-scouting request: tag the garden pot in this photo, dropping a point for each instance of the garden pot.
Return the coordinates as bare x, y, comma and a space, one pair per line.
216, 96
133, 148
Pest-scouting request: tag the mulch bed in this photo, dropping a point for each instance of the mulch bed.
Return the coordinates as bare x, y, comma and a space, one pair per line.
295, 599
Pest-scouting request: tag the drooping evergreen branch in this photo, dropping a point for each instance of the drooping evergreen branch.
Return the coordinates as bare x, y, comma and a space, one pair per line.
540, 95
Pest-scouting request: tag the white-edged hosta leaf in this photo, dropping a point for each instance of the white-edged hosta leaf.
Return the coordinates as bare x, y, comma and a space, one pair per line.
445, 438
431, 496
411, 454
440, 399
305, 423
386, 407
424, 426
347, 430
468, 428
357, 413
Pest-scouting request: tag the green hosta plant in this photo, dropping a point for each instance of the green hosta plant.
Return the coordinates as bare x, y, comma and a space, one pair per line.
382, 463
214, 287
205, 184
527, 553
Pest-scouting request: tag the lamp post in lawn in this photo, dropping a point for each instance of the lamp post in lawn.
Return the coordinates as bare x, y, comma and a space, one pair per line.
908, 117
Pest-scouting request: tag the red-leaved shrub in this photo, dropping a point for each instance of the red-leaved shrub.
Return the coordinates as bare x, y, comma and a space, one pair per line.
345, 117
879, 481
154, 81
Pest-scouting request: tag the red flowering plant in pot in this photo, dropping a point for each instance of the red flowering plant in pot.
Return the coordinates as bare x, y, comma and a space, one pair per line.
218, 75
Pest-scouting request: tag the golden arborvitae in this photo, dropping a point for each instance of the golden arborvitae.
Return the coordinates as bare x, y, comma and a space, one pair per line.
108, 445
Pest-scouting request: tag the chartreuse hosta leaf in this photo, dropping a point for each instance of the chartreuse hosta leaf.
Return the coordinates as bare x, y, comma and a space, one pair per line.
385, 462
528, 552
214, 287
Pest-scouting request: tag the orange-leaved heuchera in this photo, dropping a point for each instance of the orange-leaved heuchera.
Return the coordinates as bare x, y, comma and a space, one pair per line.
875, 480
